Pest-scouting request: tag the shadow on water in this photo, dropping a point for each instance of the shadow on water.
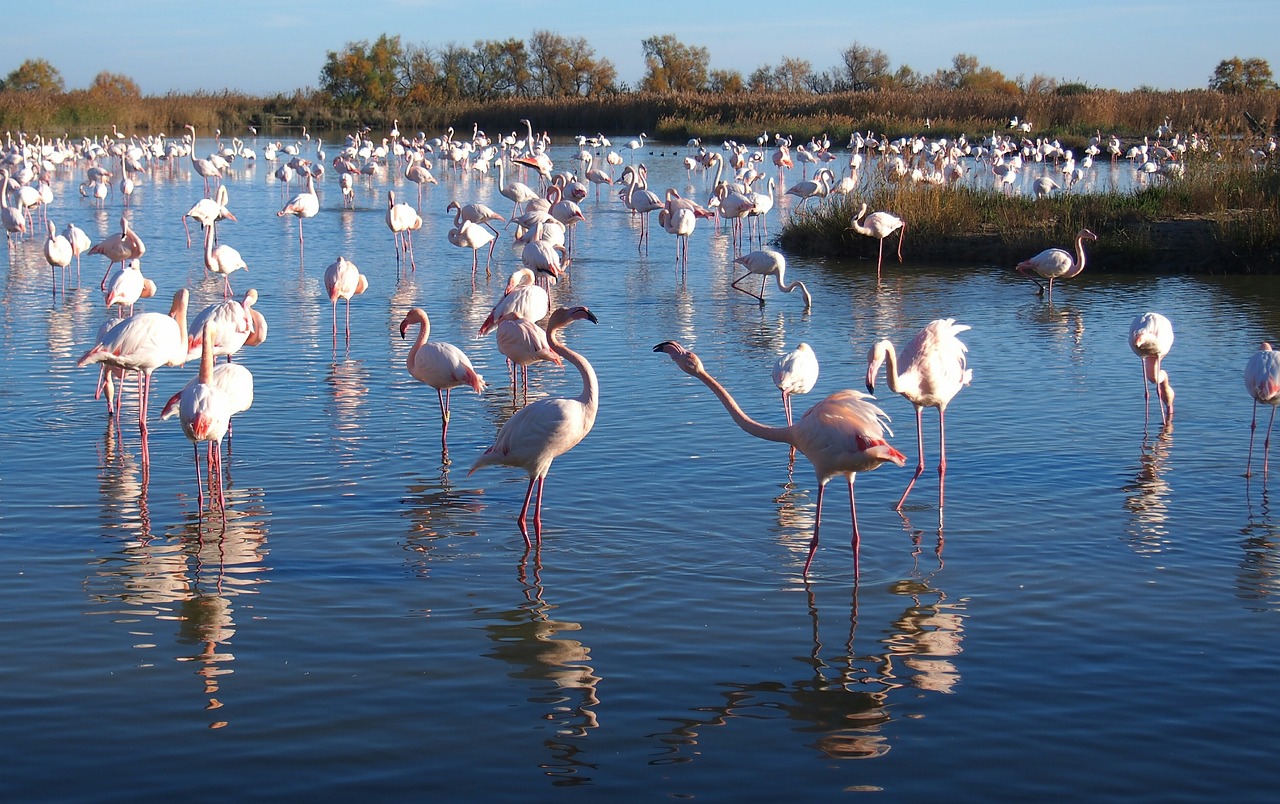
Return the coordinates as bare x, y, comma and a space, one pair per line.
1258, 578
1147, 496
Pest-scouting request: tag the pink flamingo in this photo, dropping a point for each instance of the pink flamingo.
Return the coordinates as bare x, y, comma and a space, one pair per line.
523, 343
342, 280
233, 324
57, 252
766, 263
1151, 338
205, 412
541, 432
933, 373
443, 366
879, 225
1262, 378
403, 220
523, 298
841, 436
127, 286
303, 205
124, 245
1056, 263
222, 259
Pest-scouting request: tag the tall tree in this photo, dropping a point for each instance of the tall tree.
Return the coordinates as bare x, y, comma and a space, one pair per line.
107, 83
862, 67
365, 74
563, 66
1242, 75
34, 75
672, 66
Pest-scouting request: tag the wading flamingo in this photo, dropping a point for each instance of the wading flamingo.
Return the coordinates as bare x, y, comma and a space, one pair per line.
1056, 263
222, 259
1262, 378
766, 263
441, 365
121, 246
523, 296
205, 412
541, 432
342, 280
841, 436
303, 205
933, 372
126, 286
1151, 338
879, 225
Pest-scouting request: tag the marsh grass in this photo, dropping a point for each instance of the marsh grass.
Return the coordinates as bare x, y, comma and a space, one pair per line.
1222, 216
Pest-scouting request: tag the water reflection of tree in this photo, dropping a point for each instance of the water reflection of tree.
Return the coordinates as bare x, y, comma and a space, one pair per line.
1258, 578
1147, 497
530, 641
843, 697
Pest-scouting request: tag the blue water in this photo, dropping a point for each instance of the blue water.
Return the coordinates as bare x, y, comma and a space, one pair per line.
1092, 615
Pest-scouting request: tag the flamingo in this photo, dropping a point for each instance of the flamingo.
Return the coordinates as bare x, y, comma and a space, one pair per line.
478, 214
523, 343
11, 217
679, 222
342, 280
475, 237
1151, 338
840, 435
144, 342
518, 192
234, 380
204, 167
80, 243
234, 324
402, 220
541, 432
127, 286
817, 187
766, 263
222, 259
1262, 378
303, 205
795, 372
523, 297
124, 245
639, 199
57, 252
879, 225
1056, 263
636, 145
208, 211
933, 372
418, 173
441, 365
205, 412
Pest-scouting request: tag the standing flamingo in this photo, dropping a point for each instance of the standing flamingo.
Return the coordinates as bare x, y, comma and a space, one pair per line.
475, 237
127, 286
234, 324
205, 168
303, 205
144, 342
205, 412
841, 435
517, 191
523, 343
443, 366
80, 243
1262, 378
208, 211
933, 372
342, 280
1151, 338
222, 259
1056, 263
57, 252
403, 220
523, 296
766, 263
124, 245
879, 225
796, 372
541, 432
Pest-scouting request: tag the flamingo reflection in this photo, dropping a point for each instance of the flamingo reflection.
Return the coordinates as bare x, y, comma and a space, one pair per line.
1258, 578
1147, 496
843, 696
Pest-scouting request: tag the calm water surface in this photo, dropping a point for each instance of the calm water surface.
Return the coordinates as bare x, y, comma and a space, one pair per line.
1094, 617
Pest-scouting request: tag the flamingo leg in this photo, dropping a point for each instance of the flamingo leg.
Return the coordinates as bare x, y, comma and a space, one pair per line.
1146, 395
817, 526
920, 450
537, 512
942, 452
524, 510
348, 326
444, 417
880, 259
853, 516
195, 453
1266, 444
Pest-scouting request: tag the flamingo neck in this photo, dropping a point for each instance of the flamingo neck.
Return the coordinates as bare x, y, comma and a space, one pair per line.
590, 396
890, 356
1079, 266
748, 425
424, 331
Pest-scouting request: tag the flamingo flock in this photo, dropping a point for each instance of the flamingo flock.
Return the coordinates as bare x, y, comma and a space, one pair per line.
845, 433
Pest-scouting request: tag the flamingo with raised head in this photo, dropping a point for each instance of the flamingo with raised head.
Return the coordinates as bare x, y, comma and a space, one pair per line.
933, 371
541, 432
121, 246
303, 205
1056, 263
766, 263
879, 225
57, 252
205, 412
1262, 379
208, 211
441, 365
841, 436
222, 259
403, 220
1151, 338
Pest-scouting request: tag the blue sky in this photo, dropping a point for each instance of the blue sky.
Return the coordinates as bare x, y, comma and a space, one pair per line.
263, 47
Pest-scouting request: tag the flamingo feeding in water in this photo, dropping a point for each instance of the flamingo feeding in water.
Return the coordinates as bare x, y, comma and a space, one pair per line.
541, 432
841, 436
1262, 378
1151, 338
441, 365
879, 225
1056, 263
933, 372
766, 263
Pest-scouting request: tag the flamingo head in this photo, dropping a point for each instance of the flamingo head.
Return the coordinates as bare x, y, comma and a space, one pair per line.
875, 358
687, 361
562, 316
